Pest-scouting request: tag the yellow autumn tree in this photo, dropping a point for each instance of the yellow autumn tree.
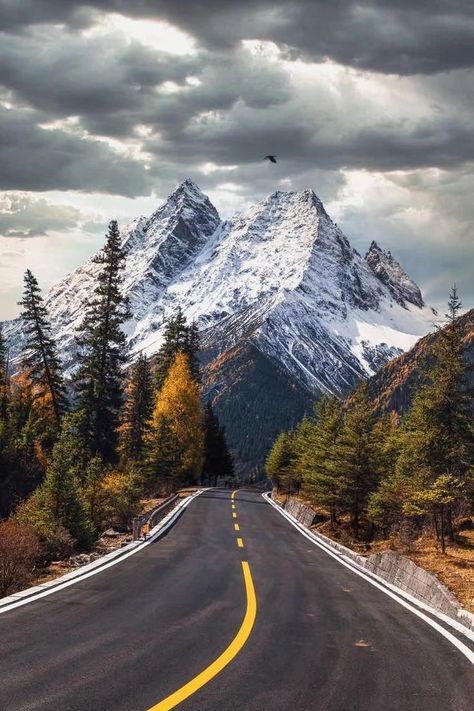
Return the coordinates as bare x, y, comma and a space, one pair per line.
176, 439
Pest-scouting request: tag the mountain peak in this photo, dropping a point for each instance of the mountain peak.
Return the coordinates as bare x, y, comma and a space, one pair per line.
304, 196
386, 268
189, 190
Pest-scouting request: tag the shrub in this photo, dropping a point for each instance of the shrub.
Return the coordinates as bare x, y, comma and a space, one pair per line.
56, 542
20, 550
117, 500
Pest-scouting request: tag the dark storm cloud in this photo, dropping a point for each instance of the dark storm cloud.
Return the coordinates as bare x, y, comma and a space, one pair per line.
301, 139
399, 36
104, 81
32, 158
22, 217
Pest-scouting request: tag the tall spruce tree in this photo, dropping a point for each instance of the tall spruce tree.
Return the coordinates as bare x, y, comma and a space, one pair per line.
217, 458
4, 379
438, 442
354, 458
58, 501
138, 409
102, 351
164, 462
40, 358
281, 461
179, 337
322, 479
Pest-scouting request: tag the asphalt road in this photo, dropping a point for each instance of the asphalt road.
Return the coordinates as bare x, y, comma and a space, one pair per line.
323, 638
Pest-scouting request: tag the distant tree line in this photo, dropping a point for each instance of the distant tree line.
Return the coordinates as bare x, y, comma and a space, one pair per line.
381, 474
77, 457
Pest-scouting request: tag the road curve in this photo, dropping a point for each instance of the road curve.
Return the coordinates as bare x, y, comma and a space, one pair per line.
322, 639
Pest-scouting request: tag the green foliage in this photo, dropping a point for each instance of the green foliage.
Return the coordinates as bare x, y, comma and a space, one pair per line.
117, 497
164, 464
40, 358
23, 432
179, 337
355, 458
4, 379
438, 439
217, 458
58, 501
176, 439
102, 351
137, 412
323, 481
281, 461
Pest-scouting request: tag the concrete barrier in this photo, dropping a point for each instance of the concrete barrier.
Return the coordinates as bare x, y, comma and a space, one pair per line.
395, 569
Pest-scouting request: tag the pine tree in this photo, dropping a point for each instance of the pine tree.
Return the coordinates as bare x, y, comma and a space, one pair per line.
438, 438
164, 463
137, 411
178, 415
217, 458
281, 460
40, 357
178, 338
93, 479
355, 458
321, 476
4, 379
58, 501
102, 351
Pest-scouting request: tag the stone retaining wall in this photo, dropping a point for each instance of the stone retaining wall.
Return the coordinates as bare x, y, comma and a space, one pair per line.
394, 568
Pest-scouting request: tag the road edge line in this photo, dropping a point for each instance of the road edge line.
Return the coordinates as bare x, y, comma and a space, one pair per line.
469, 654
37, 592
229, 653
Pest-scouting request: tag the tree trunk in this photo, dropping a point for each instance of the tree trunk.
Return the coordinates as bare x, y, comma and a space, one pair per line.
449, 521
435, 521
443, 542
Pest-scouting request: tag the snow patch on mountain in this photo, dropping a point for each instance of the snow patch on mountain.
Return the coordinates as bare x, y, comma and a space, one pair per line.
280, 274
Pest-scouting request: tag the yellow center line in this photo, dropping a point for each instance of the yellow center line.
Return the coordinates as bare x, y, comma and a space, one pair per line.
232, 496
227, 655
240, 543
236, 527
234, 515
233, 506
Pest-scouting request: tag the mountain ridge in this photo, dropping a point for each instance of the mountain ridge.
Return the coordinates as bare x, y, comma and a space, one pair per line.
279, 279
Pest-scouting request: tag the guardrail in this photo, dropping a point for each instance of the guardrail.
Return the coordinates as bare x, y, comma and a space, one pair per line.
152, 518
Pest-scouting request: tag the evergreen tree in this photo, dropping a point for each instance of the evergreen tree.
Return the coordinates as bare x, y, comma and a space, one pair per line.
355, 458
137, 411
177, 424
321, 476
178, 338
58, 502
102, 351
217, 458
281, 461
93, 480
40, 357
164, 464
4, 381
438, 439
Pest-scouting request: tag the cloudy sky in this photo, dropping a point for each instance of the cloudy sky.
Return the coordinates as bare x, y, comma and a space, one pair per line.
106, 106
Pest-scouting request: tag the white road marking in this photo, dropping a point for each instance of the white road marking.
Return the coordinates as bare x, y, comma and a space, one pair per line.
445, 633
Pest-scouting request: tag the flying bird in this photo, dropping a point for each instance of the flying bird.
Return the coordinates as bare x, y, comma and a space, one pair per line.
272, 159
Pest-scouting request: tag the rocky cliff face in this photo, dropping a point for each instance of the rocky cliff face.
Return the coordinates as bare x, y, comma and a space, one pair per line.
283, 303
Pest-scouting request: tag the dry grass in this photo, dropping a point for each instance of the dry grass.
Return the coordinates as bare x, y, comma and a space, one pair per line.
455, 568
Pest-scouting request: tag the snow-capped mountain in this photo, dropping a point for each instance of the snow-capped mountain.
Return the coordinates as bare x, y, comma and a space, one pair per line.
279, 282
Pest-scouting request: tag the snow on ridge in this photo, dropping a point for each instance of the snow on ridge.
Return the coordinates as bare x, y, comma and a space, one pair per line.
280, 273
